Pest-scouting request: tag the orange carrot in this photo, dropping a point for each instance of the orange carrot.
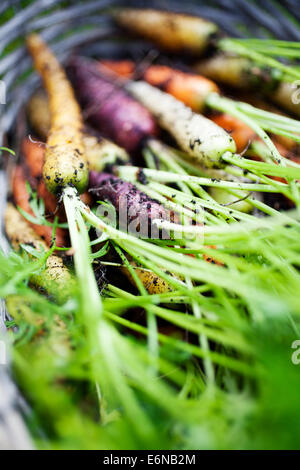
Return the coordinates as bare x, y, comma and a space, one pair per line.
189, 88
21, 198
34, 155
241, 134
123, 68
209, 259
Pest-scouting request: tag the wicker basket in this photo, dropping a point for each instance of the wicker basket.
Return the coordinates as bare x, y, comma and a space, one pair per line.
86, 25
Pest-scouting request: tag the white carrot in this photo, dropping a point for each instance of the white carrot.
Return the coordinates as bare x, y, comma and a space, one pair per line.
201, 138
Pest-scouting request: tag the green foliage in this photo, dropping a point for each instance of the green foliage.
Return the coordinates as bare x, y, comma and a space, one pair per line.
220, 377
205, 366
263, 51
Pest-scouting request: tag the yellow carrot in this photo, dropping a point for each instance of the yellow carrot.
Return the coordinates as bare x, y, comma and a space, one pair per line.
56, 279
99, 152
65, 162
173, 32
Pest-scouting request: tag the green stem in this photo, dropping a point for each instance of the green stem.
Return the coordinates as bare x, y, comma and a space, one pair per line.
151, 320
240, 49
130, 174
89, 293
215, 101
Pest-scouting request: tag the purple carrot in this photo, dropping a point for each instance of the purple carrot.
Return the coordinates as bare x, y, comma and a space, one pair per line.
108, 107
135, 209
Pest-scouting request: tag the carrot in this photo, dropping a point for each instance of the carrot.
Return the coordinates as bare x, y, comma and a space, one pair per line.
99, 152
20, 232
39, 114
243, 74
123, 68
177, 33
173, 32
283, 96
240, 132
56, 280
102, 153
209, 259
198, 136
55, 334
151, 281
22, 199
228, 69
189, 88
136, 210
110, 108
195, 134
34, 155
65, 162
259, 102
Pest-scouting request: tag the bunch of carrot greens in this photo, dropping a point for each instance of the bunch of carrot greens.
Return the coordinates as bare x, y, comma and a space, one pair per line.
196, 350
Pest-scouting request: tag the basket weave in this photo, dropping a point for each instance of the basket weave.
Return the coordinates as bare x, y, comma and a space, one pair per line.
87, 25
